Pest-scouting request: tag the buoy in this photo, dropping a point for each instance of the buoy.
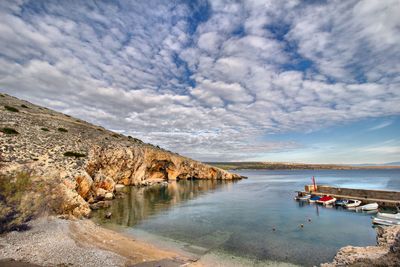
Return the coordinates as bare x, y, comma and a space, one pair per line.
301, 225
309, 219
273, 229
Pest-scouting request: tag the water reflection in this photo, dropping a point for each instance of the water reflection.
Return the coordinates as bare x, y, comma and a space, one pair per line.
138, 204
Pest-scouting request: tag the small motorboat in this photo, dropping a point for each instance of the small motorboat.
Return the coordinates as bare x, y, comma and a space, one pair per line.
326, 200
341, 202
352, 203
385, 222
388, 216
371, 206
305, 197
314, 199
302, 197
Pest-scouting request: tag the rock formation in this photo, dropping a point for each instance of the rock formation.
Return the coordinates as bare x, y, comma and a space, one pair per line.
87, 161
386, 253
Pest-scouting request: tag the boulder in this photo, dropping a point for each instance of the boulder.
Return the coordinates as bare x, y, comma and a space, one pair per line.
108, 196
84, 184
100, 193
119, 187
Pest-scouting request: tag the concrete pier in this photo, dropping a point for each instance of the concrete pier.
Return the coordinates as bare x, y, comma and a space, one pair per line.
382, 197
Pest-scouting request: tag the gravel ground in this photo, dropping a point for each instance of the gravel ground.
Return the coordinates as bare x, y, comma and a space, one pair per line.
49, 243
56, 242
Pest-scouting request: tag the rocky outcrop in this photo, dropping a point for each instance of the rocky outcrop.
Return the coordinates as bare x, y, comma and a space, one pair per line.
386, 253
88, 160
136, 164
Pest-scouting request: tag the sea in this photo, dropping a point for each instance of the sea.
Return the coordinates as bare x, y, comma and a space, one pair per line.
250, 222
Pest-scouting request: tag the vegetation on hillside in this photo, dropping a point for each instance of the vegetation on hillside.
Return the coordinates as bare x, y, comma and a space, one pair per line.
7, 130
21, 199
12, 109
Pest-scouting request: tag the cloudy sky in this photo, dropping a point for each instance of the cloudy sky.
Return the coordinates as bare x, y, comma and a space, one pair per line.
301, 81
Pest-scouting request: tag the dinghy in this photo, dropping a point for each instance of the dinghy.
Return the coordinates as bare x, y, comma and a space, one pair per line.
388, 216
371, 206
301, 197
305, 198
385, 222
341, 202
352, 203
314, 198
326, 200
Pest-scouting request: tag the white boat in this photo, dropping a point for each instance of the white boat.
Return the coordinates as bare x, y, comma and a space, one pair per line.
385, 222
388, 216
371, 206
352, 203
305, 198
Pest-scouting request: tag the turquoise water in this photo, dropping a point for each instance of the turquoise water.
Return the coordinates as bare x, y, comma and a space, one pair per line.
255, 219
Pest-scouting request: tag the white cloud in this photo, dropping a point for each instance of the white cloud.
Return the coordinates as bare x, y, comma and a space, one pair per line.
381, 125
208, 88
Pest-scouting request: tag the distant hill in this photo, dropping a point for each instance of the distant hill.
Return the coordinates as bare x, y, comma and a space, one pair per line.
297, 166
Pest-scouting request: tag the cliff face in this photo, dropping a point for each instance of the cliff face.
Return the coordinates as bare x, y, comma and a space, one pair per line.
86, 161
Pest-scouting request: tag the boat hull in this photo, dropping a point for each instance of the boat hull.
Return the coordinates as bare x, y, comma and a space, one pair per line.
372, 206
388, 216
385, 222
353, 204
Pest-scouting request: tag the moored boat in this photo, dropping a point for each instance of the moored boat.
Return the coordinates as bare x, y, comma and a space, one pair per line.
352, 203
341, 202
314, 199
389, 216
305, 198
371, 206
326, 200
385, 222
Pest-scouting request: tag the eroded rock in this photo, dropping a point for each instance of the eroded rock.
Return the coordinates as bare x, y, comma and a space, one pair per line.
386, 253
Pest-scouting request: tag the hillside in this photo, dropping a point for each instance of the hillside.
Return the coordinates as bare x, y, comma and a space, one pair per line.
53, 162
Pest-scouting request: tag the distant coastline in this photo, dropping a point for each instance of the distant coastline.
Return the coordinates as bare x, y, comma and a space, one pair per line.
294, 166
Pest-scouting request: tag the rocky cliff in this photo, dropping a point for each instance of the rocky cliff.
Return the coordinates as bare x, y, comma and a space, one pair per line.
84, 162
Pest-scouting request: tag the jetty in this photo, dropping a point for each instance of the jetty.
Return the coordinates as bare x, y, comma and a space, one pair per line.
384, 198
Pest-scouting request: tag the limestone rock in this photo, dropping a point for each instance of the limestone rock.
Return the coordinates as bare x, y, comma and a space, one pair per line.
119, 187
108, 196
88, 160
101, 193
386, 253
84, 184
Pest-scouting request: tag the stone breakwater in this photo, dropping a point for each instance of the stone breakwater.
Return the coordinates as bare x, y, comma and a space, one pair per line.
83, 164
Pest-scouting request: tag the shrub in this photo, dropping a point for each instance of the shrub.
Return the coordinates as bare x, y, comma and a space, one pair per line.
9, 131
115, 135
62, 130
24, 197
24, 106
2, 95
45, 129
12, 109
74, 154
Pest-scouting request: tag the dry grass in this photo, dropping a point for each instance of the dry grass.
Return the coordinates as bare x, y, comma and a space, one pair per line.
24, 197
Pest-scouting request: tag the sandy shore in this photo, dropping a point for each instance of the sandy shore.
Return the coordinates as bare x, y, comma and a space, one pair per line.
53, 241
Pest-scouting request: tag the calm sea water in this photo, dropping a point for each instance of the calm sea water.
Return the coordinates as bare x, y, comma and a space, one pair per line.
256, 219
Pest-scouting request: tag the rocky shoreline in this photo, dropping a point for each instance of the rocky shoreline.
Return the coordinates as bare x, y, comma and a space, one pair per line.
56, 242
385, 253
75, 164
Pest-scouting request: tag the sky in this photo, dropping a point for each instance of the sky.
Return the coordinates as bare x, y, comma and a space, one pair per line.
292, 81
